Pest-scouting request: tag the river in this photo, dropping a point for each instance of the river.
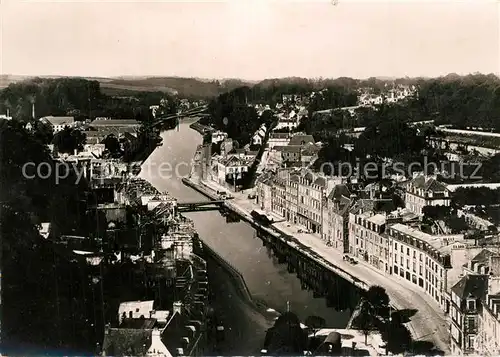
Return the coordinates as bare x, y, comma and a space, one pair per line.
269, 282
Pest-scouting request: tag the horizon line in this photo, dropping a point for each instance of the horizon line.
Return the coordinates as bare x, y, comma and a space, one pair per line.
130, 76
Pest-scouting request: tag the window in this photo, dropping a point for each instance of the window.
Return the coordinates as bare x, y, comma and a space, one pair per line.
402, 249
471, 304
395, 246
471, 341
420, 257
407, 251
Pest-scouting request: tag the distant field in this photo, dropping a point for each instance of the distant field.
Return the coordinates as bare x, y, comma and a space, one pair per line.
184, 87
115, 87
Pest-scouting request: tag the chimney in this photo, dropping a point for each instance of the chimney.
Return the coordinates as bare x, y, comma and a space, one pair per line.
33, 110
8, 112
75, 152
177, 307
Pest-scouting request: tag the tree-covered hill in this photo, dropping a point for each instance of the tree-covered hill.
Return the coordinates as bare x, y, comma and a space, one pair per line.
76, 97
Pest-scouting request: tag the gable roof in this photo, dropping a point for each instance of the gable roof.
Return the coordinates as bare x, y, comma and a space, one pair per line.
339, 191
58, 120
428, 184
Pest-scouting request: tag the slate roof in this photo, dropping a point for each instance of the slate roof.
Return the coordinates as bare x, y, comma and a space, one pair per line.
483, 257
288, 148
174, 332
339, 191
471, 286
428, 184
58, 120
127, 341
279, 135
301, 140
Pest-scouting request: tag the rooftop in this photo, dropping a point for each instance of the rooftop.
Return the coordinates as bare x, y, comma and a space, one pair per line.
440, 243
301, 140
115, 122
471, 286
428, 184
58, 120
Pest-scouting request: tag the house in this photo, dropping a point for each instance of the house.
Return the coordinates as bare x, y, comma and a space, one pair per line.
366, 239
154, 333
487, 341
226, 146
309, 153
44, 229
58, 123
425, 191
466, 299
232, 170
257, 138
264, 187
278, 139
290, 154
128, 142
336, 221
301, 140
218, 136
95, 150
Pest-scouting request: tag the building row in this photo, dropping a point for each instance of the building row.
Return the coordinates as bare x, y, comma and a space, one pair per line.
364, 223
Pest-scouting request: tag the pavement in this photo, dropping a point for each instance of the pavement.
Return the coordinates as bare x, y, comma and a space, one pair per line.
428, 323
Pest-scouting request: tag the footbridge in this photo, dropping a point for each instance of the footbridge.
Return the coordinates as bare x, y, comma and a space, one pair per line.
196, 206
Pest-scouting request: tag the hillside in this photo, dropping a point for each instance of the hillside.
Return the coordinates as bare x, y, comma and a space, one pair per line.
184, 87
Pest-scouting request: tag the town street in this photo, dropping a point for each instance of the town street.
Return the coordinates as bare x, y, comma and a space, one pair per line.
428, 324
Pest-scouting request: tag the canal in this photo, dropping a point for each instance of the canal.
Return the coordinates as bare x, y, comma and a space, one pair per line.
269, 282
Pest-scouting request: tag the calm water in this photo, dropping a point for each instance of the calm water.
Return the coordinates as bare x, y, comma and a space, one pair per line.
268, 281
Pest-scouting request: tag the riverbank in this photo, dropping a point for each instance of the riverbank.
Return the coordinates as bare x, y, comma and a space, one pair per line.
238, 280
285, 237
200, 128
428, 323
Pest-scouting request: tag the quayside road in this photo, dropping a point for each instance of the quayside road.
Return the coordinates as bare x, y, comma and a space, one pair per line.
428, 324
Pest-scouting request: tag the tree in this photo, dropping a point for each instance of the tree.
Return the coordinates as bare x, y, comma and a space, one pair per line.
436, 212
365, 320
397, 337
68, 140
378, 299
112, 144
315, 323
43, 132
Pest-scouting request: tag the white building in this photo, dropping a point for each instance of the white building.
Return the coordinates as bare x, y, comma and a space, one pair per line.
58, 123
425, 191
218, 136
422, 259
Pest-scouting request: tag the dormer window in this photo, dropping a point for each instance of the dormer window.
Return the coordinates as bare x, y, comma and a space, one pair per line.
471, 304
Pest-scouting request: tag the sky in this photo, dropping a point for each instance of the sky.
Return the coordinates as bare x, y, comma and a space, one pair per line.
249, 39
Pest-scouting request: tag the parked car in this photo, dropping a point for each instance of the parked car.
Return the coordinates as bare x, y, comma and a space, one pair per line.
252, 196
